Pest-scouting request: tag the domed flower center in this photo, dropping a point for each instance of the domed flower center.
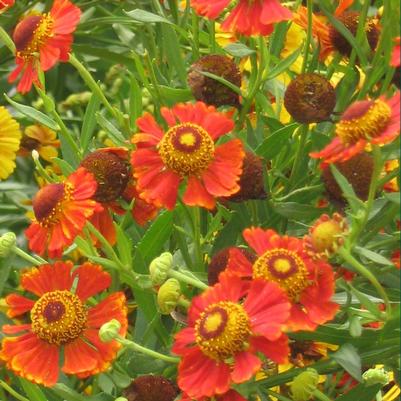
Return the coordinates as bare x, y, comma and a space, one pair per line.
29, 143
111, 174
48, 201
325, 235
285, 268
363, 120
222, 330
187, 149
58, 317
30, 34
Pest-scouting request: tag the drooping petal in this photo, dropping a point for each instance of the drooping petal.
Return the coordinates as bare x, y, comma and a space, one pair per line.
18, 305
277, 350
196, 194
246, 364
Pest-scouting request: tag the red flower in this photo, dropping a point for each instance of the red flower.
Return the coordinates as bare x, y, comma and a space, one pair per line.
61, 212
43, 40
248, 17
227, 325
309, 284
231, 395
187, 151
4, 4
62, 323
395, 56
367, 121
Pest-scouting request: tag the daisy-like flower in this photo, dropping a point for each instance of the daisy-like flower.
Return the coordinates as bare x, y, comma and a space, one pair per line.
227, 325
61, 212
42, 139
186, 152
309, 284
10, 136
367, 121
62, 323
43, 40
248, 17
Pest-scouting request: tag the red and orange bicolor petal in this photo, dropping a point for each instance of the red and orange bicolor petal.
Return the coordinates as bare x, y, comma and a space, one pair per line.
18, 305
43, 40
31, 358
61, 212
209, 9
309, 284
186, 152
223, 323
4, 4
367, 121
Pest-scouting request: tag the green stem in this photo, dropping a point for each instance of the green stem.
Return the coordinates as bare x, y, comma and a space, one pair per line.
309, 5
35, 261
188, 280
184, 303
363, 271
41, 170
304, 129
212, 36
277, 395
320, 396
197, 238
139, 348
195, 34
9, 389
87, 77
5, 38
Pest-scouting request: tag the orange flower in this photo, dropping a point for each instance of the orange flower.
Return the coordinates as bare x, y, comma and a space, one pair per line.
43, 40
187, 151
62, 323
61, 211
4, 4
227, 326
247, 17
367, 121
308, 283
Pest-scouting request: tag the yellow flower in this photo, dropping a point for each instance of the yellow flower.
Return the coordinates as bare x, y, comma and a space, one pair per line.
293, 41
10, 136
40, 138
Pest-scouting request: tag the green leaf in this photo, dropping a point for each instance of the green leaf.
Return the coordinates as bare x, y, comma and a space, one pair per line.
272, 145
33, 392
67, 393
175, 95
347, 356
393, 197
153, 241
34, 114
124, 246
146, 16
296, 211
111, 131
374, 256
284, 64
360, 392
89, 123
366, 302
238, 50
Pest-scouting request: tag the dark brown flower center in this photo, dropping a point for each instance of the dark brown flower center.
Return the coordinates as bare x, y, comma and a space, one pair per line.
46, 201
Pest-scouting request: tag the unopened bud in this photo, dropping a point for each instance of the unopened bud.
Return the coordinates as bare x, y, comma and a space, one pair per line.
159, 268
7, 243
168, 296
110, 331
304, 385
376, 376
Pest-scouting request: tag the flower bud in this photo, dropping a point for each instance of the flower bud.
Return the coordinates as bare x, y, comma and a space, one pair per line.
304, 385
310, 98
209, 90
7, 243
159, 268
376, 376
110, 331
168, 296
121, 399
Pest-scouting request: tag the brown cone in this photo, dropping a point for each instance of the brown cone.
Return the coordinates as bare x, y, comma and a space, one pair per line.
151, 388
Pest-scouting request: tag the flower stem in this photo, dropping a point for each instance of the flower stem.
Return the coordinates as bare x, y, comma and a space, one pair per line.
309, 5
197, 238
139, 348
320, 396
5, 38
188, 280
22, 254
304, 129
362, 270
9, 389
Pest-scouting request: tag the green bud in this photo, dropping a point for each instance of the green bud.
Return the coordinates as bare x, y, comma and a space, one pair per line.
159, 268
7, 243
121, 399
376, 376
168, 296
110, 331
304, 385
